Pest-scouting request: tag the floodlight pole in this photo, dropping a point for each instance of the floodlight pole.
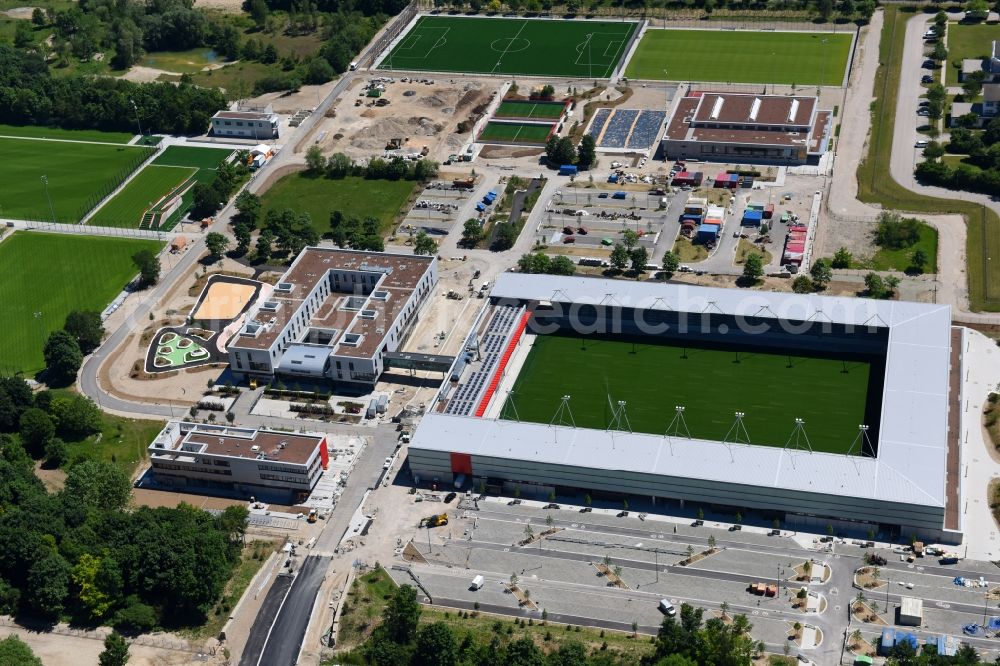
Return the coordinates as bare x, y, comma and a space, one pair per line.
859, 441
617, 415
674, 429
557, 418
736, 429
136, 109
45, 185
799, 435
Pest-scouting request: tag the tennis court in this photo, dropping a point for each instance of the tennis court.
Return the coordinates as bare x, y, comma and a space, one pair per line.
513, 108
529, 47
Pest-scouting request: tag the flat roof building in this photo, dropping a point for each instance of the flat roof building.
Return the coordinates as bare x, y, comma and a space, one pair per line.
911, 485
334, 315
740, 127
242, 462
258, 125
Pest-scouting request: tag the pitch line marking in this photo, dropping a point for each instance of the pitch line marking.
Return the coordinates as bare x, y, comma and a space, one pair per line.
500, 60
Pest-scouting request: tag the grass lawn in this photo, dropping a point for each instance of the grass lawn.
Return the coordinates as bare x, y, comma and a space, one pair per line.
182, 62
354, 196
742, 57
34, 131
528, 109
588, 49
79, 175
516, 132
127, 207
875, 184
53, 274
687, 251
965, 41
187, 156
712, 384
886, 259
370, 592
745, 247
236, 79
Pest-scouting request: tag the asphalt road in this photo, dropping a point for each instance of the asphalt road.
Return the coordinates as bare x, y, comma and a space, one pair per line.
285, 635
265, 618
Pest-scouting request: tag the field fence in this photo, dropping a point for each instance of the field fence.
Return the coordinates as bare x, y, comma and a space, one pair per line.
392, 31
88, 230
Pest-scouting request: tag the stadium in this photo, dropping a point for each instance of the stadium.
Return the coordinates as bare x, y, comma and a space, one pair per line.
807, 409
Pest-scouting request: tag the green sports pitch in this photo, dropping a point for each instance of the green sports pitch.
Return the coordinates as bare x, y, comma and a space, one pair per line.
529, 47
46, 276
729, 56
514, 108
515, 132
772, 390
77, 175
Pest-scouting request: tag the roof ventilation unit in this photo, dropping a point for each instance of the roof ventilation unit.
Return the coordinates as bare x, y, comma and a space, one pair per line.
717, 107
793, 110
755, 109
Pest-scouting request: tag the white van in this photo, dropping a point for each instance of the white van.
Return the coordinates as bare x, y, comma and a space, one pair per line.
667, 608
477, 582
920, 144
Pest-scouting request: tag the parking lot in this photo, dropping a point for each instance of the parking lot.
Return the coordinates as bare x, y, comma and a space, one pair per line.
435, 210
595, 219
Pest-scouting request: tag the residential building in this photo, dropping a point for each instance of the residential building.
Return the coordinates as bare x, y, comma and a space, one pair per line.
268, 465
334, 315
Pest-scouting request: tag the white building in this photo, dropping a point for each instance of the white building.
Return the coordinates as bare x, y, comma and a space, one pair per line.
334, 315
242, 462
257, 125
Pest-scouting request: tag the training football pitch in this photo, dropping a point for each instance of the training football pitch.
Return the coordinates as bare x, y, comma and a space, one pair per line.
46, 276
76, 176
515, 132
772, 390
802, 58
528, 109
529, 47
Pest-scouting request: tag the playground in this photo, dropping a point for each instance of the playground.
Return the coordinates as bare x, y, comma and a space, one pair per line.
224, 299
174, 350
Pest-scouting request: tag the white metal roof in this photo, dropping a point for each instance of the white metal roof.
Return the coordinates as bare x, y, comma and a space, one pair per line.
912, 448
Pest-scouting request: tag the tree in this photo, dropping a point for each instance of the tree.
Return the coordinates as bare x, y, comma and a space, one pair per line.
216, 244
972, 84
48, 585
472, 233
24, 35
319, 71
248, 209
821, 273
753, 267
402, 614
587, 152
16, 652
63, 358
436, 646
560, 151
148, 265
866, 8
264, 242
939, 53
524, 652
630, 239
562, 265
711, 541
513, 580
86, 327
934, 149
639, 256
671, 262
891, 283
825, 9
505, 238
135, 618
424, 244
38, 17
875, 286
842, 258
802, 285
115, 651
242, 234
918, 261
206, 201
98, 484
977, 10
56, 453
315, 161
37, 429
619, 257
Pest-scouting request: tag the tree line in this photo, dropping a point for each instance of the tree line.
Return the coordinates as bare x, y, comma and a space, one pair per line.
30, 94
83, 553
339, 166
979, 172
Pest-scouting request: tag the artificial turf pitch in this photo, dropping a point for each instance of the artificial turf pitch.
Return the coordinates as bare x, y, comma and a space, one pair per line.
529, 47
79, 174
741, 57
46, 276
515, 132
527, 109
149, 186
711, 384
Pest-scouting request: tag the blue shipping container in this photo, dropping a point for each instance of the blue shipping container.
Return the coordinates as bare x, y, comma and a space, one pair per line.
887, 641
618, 195
567, 170
708, 231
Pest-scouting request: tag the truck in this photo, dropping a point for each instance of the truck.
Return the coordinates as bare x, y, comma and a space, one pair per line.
618, 195
437, 520
949, 558
477, 583
312, 516
567, 170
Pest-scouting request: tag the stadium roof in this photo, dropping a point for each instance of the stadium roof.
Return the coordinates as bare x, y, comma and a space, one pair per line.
910, 467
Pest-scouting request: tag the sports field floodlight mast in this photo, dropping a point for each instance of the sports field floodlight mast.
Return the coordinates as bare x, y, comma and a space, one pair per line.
798, 439
619, 417
858, 446
563, 413
677, 428
136, 109
45, 185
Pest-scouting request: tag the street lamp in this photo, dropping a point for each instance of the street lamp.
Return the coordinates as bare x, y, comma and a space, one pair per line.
45, 185
136, 109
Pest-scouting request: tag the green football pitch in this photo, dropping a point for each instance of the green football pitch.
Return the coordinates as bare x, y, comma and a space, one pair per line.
149, 186
728, 56
515, 132
529, 47
772, 390
528, 109
48, 275
78, 175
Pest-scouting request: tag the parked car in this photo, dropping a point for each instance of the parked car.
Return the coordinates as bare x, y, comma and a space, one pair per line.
927, 78
924, 102
923, 112
514, 502
667, 608
586, 509
920, 144
449, 497
602, 195
551, 505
